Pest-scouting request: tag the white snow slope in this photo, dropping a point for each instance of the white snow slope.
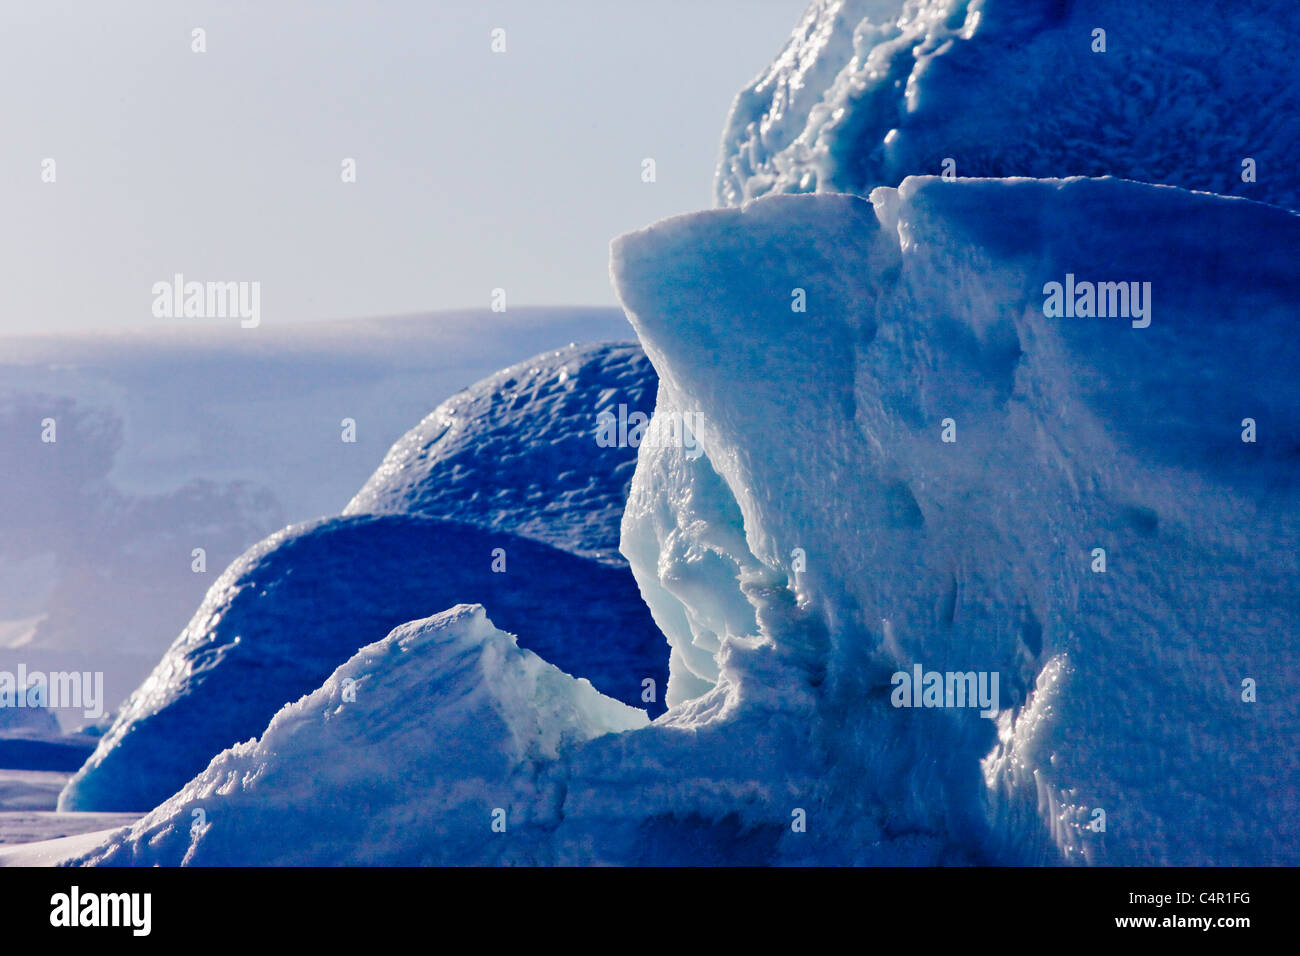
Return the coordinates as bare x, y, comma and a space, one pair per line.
867, 92
829, 537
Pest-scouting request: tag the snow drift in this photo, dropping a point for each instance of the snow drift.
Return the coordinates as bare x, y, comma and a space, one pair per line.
334, 781
283, 617
867, 92
519, 451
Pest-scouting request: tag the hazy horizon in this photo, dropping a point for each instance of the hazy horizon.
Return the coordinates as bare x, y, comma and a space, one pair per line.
227, 165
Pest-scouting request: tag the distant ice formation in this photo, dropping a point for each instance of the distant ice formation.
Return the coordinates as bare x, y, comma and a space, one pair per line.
170, 440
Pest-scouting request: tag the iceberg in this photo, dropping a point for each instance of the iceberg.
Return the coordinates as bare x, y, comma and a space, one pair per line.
866, 93
910, 459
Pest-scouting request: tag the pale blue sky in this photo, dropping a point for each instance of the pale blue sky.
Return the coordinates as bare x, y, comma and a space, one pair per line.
474, 170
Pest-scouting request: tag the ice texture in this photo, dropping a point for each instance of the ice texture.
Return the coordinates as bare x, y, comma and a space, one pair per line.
829, 521
519, 451
868, 92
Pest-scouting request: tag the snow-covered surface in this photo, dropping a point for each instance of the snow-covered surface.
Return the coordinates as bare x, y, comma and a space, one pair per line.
53, 846
867, 92
401, 756
171, 439
519, 451
453, 728
288, 612
27, 817
18, 828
